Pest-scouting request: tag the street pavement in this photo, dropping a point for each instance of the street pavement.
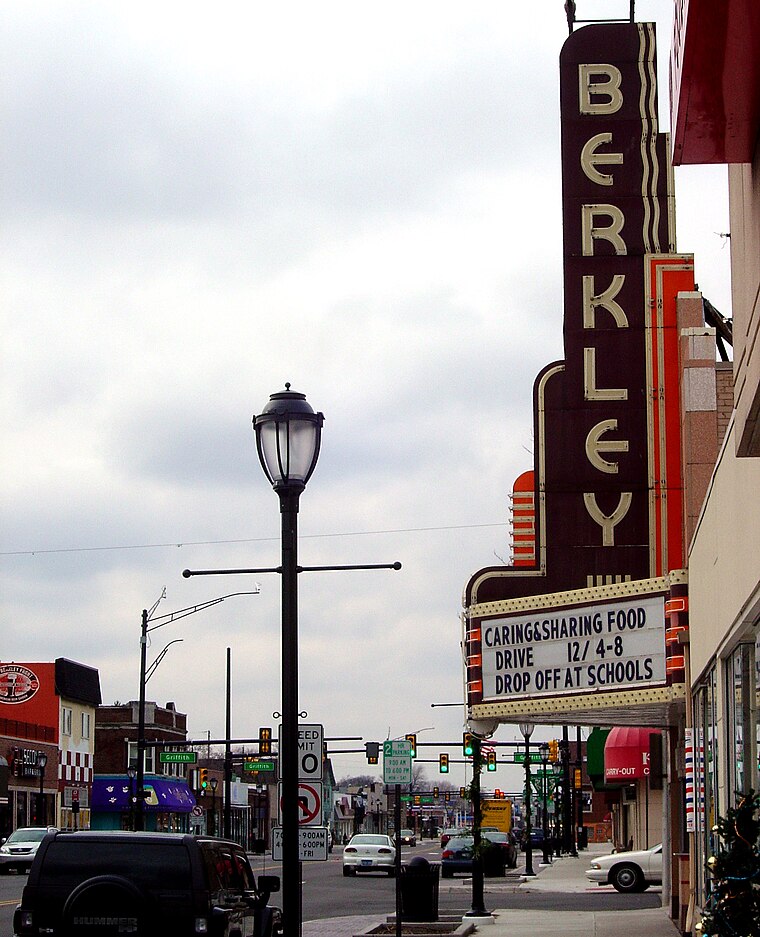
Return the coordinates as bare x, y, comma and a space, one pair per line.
563, 876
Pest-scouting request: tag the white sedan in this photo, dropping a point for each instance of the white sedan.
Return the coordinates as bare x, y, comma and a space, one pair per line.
628, 871
369, 852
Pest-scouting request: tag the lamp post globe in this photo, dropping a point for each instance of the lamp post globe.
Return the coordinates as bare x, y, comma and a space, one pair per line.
288, 439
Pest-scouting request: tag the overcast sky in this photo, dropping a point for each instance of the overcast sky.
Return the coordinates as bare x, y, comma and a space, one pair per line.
204, 201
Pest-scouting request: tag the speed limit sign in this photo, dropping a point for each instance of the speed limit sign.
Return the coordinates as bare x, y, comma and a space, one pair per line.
310, 739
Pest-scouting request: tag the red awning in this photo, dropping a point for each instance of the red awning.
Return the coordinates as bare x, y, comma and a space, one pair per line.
626, 754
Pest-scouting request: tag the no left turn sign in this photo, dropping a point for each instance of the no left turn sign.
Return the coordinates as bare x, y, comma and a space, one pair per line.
309, 803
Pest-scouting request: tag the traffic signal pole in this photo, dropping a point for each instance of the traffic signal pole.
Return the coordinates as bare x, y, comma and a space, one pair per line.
478, 908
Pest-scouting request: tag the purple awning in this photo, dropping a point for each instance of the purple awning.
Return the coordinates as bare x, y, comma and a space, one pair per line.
165, 795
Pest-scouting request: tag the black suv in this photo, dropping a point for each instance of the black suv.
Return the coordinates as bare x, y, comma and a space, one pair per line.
164, 884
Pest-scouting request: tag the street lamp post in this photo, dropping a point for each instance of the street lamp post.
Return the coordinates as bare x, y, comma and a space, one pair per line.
147, 672
131, 774
557, 771
544, 750
526, 728
41, 762
288, 435
214, 785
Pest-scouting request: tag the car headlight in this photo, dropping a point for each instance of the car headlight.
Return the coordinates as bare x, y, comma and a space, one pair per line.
595, 865
4, 850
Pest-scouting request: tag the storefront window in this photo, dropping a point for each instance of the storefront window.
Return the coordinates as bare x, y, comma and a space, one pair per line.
740, 693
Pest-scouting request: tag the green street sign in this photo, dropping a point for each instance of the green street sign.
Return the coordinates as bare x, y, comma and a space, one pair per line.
178, 758
423, 798
258, 764
535, 758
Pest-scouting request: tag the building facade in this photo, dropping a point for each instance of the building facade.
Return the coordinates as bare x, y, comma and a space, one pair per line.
170, 802
47, 718
715, 100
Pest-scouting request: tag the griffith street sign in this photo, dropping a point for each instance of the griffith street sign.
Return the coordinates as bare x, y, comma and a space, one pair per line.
258, 764
397, 762
178, 758
312, 843
519, 758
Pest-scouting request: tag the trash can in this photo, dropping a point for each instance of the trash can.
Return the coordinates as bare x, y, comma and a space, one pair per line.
419, 890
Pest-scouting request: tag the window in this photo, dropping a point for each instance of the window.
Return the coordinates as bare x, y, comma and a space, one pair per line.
740, 667
85, 725
149, 757
65, 721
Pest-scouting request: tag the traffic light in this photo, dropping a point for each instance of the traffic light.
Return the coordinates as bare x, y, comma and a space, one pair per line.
203, 778
443, 763
462, 792
468, 744
413, 740
553, 750
447, 796
435, 792
265, 740
497, 794
491, 761
373, 752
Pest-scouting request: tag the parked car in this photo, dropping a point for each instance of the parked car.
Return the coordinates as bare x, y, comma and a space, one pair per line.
453, 831
408, 838
628, 871
369, 852
536, 839
500, 853
19, 849
506, 842
96, 883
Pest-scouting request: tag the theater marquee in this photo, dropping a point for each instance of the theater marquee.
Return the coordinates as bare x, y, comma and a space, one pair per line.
583, 612
606, 646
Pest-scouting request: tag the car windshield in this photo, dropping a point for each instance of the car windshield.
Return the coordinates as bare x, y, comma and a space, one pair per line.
26, 836
366, 839
407, 833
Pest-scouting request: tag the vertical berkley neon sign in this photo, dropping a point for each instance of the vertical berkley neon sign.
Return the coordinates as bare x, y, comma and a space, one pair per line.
607, 474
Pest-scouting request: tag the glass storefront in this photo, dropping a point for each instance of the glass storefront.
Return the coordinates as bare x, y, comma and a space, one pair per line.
741, 728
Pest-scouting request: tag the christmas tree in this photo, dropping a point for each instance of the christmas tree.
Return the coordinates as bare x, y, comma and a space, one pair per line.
733, 909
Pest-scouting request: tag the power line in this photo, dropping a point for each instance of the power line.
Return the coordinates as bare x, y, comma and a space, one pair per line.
211, 543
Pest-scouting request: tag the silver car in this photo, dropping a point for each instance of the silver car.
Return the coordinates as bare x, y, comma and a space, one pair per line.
18, 851
628, 871
369, 852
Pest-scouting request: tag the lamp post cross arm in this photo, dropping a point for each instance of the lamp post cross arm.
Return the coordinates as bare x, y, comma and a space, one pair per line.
187, 573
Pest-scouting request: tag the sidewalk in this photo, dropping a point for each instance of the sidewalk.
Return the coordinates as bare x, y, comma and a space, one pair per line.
563, 876
567, 875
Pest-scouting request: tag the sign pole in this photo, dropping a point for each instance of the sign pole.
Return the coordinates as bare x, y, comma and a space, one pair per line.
397, 823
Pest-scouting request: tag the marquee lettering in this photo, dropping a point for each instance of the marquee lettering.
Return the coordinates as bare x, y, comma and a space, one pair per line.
608, 522
590, 159
593, 232
609, 90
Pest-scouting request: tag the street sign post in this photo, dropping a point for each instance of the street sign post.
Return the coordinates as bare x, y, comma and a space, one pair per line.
397, 761
313, 842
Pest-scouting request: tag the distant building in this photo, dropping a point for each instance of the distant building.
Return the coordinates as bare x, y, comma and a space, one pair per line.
170, 801
47, 718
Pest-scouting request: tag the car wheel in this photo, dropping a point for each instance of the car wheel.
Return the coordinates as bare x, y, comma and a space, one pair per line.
446, 874
627, 878
391, 873
347, 871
